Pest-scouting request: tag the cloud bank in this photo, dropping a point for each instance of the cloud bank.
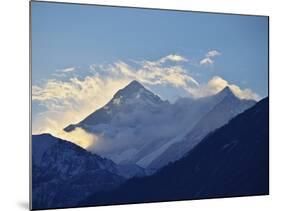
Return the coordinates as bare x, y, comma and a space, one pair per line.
69, 101
216, 84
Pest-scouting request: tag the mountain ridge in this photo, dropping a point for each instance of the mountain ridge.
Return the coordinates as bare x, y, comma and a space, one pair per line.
226, 107
128, 124
231, 161
103, 115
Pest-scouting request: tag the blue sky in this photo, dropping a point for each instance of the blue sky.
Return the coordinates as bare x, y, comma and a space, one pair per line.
73, 37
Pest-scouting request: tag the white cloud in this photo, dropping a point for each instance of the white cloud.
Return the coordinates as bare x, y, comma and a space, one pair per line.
213, 53
78, 136
66, 70
60, 73
206, 61
209, 58
174, 58
152, 74
71, 101
171, 57
217, 84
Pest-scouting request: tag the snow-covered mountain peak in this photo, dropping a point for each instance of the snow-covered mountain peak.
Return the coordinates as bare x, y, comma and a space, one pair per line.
133, 92
134, 98
134, 85
225, 92
130, 89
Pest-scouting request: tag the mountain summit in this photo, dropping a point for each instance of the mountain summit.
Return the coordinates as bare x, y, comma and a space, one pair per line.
131, 98
225, 92
135, 91
131, 89
133, 86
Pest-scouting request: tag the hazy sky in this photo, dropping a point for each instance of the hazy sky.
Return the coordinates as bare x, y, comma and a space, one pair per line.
82, 54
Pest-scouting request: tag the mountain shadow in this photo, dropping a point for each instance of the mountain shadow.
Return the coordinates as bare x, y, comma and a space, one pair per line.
231, 161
